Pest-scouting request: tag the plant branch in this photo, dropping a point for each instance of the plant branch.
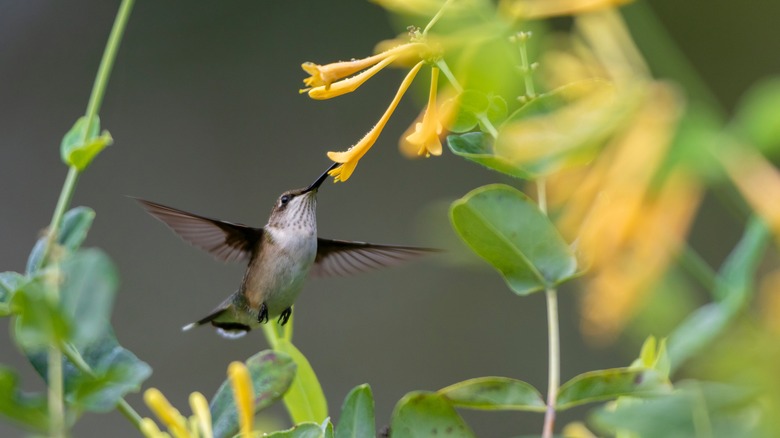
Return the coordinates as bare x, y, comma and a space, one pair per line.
55, 394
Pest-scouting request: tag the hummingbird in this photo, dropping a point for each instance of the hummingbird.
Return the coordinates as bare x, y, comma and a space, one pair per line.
280, 256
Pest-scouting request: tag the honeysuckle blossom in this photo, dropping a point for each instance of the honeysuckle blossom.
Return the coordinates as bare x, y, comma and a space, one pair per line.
424, 136
335, 79
199, 424
350, 158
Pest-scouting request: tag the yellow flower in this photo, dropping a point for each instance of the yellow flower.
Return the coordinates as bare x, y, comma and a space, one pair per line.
199, 424
350, 158
331, 80
424, 140
243, 393
531, 9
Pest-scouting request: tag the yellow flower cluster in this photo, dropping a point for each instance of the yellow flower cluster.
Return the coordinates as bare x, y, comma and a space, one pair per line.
199, 424
339, 78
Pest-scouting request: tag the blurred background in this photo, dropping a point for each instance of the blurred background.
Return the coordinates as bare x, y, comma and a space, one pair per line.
204, 108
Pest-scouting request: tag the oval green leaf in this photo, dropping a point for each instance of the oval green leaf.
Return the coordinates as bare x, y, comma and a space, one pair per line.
425, 414
25, 409
478, 147
305, 400
75, 225
307, 430
601, 385
79, 149
116, 372
271, 372
357, 414
494, 394
757, 119
506, 228
10, 282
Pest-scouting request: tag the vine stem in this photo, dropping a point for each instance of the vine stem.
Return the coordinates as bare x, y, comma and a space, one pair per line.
553, 336
55, 379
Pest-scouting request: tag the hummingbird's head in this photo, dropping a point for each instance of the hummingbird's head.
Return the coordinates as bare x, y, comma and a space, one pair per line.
297, 208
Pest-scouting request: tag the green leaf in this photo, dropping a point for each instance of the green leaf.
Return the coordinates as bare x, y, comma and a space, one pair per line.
305, 400
506, 228
478, 147
75, 226
653, 356
308, 430
474, 107
87, 294
495, 394
423, 414
610, 384
25, 409
115, 373
272, 373
357, 414
10, 282
39, 322
693, 410
732, 292
757, 119
77, 149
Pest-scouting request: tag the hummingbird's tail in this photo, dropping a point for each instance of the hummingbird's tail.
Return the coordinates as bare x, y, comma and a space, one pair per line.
227, 329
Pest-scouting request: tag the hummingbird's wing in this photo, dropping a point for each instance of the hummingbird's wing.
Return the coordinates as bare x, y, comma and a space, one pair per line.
226, 241
342, 257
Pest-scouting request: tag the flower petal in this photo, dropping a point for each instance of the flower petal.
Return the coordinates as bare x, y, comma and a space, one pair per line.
166, 413
200, 407
243, 395
350, 157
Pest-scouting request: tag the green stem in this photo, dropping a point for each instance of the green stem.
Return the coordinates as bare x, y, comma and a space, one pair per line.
696, 266
554, 370
55, 393
75, 358
553, 336
486, 123
436, 17
93, 107
526, 66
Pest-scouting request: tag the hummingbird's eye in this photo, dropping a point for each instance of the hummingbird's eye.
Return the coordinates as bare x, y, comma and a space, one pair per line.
284, 199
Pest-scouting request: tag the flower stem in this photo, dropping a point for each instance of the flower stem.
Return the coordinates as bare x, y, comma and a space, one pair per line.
526, 67
436, 17
56, 401
554, 371
484, 121
553, 335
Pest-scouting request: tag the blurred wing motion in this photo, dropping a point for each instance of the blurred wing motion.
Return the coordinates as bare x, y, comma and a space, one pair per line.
224, 240
342, 257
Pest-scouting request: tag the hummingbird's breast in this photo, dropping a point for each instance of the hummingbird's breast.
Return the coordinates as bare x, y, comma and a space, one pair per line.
277, 274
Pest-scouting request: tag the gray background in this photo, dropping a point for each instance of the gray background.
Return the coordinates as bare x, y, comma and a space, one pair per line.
204, 109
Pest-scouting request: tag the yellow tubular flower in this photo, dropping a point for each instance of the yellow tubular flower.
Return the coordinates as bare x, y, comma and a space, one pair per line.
425, 138
348, 85
322, 76
150, 430
243, 395
169, 415
350, 158
200, 409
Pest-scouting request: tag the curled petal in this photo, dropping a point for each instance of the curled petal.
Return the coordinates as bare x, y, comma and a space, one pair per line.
350, 157
243, 395
150, 430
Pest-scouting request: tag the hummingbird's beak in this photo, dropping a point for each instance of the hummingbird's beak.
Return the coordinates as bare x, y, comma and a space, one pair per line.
316, 184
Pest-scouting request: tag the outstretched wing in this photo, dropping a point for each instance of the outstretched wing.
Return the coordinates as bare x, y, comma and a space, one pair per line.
342, 257
224, 240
